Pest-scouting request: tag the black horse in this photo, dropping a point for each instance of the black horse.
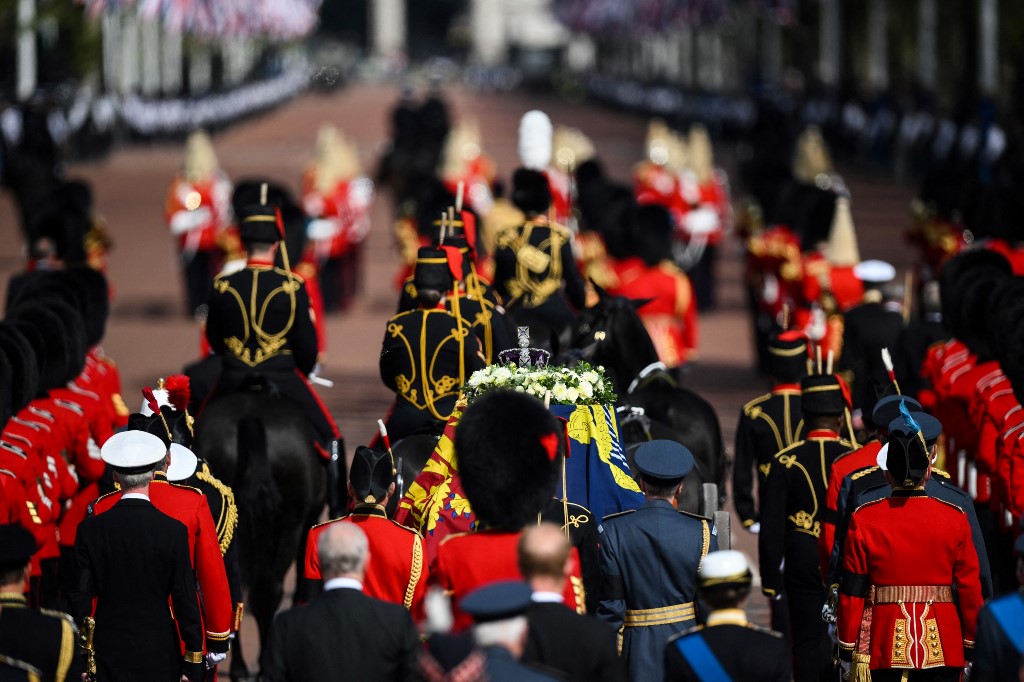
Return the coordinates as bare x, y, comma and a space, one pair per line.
611, 334
262, 446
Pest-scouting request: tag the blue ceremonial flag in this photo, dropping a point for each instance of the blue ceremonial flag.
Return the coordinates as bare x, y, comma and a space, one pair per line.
597, 474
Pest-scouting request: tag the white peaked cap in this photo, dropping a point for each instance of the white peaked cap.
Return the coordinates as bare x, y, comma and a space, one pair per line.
162, 398
535, 140
723, 564
874, 271
183, 463
133, 450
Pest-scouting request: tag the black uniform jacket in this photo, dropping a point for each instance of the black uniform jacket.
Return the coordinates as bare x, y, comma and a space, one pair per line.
132, 559
792, 511
260, 317
342, 635
745, 651
767, 425
578, 647
45, 640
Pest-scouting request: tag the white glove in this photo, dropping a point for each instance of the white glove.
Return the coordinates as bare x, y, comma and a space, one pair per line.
323, 228
754, 528
186, 221
213, 659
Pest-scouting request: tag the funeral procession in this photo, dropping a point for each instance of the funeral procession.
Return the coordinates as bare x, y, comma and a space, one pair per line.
511, 340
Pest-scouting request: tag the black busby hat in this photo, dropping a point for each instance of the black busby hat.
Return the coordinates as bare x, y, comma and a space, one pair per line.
822, 395
24, 380
95, 299
57, 233
46, 333
434, 269
371, 475
531, 193
787, 355
507, 445
17, 546
259, 223
652, 233
6, 389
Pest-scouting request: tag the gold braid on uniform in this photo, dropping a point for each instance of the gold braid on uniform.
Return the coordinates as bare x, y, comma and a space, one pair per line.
228, 521
705, 542
532, 260
414, 573
269, 344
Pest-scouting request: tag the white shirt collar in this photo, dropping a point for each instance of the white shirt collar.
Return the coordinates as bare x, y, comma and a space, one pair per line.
135, 496
343, 583
547, 598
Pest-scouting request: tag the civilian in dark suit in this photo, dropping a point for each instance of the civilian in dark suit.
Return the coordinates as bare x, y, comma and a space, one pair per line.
342, 633
45, 641
578, 647
996, 655
132, 559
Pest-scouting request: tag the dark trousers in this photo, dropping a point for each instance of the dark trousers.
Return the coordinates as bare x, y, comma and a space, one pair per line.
200, 269
811, 646
702, 277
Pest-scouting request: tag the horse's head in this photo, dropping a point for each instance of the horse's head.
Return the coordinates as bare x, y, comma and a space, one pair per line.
610, 333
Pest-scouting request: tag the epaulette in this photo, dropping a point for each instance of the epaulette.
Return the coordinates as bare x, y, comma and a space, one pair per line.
868, 504
449, 537
754, 403
411, 530
328, 522
941, 473
617, 515
294, 275
695, 516
92, 505
862, 473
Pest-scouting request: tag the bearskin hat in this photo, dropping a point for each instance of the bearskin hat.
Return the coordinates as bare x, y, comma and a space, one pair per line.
96, 300
58, 233
975, 264
652, 233
6, 388
45, 331
531, 193
24, 379
507, 446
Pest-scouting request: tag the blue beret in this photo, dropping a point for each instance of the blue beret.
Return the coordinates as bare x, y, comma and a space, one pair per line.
497, 601
663, 460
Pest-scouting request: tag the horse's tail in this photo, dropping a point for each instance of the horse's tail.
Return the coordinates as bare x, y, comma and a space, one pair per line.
255, 487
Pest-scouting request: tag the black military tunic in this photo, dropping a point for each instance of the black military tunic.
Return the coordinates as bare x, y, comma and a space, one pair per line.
650, 557
13, 670
868, 328
260, 321
532, 262
478, 305
43, 639
132, 558
792, 510
426, 356
583, 536
767, 425
743, 650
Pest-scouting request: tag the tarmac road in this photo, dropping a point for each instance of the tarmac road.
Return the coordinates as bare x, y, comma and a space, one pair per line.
149, 335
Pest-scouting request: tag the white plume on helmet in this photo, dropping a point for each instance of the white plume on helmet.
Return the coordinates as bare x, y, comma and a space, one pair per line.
535, 140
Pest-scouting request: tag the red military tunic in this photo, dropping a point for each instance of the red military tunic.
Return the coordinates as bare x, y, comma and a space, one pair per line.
861, 458
197, 211
189, 506
913, 549
396, 571
466, 561
671, 317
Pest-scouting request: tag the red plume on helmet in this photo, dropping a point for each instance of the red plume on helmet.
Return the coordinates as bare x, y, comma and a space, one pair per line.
179, 391
147, 393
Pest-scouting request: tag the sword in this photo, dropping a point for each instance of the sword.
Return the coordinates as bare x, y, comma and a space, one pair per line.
397, 466
88, 632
